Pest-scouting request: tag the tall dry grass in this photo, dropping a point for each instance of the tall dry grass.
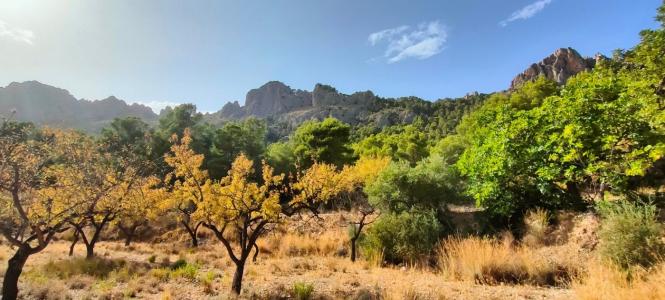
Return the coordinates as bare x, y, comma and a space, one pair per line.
536, 225
492, 261
607, 282
329, 243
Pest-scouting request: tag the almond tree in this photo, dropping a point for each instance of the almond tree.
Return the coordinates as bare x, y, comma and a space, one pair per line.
362, 174
191, 185
101, 182
239, 211
139, 206
32, 209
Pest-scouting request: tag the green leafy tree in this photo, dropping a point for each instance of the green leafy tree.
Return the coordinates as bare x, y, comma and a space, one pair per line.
232, 139
324, 141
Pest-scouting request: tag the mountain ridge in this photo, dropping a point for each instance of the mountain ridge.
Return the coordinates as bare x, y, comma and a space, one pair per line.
275, 101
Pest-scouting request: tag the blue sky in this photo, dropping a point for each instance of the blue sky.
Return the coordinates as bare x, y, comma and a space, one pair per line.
212, 52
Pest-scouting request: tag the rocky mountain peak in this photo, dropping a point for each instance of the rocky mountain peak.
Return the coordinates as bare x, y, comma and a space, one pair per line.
561, 65
275, 97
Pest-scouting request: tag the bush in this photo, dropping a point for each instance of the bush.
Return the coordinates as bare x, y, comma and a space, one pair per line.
96, 267
630, 234
405, 237
302, 291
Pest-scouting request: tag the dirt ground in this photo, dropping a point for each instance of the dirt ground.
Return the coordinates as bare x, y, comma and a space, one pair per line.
270, 277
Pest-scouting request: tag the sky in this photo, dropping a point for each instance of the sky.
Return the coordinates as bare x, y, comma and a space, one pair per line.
211, 52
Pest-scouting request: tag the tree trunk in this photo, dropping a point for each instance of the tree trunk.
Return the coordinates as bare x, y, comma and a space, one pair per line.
353, 250
129, 233
192, 233
90, 250
128, 239
76, 239
14, 270
236, 286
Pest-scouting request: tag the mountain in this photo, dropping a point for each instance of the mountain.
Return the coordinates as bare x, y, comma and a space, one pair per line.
279, 101
47, 105
561, 65
284, 107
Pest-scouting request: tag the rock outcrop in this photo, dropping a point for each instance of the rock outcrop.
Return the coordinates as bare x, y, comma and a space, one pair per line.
561, 65
275, 98
278, 101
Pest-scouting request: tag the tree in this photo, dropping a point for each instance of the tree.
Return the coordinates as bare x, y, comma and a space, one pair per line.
404, 143
430, 185
363, 174
32, 209
239, 211
100, 181
191, 185
139, 206
245, 208
233, 138
324, 141
281, 156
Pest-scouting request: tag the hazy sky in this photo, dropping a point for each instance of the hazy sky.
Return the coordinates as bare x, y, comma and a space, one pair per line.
211, 52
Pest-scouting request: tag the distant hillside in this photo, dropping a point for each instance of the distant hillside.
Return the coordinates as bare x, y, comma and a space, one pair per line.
47, 105
283, 107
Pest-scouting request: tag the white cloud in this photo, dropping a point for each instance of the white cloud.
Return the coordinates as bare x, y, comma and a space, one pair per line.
526, 12
157, 106
424, 41
16, 34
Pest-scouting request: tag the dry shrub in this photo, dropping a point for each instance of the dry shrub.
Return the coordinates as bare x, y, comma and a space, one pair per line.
536, 225
609, 282
290, 245
46, 290
491, 261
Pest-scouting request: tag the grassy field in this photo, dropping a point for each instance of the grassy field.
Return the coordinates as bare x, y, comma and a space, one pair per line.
301, 262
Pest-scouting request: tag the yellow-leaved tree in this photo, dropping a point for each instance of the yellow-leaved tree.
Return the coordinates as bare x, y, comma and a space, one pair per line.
32, 209
243, 210
363, 173
191, 185
140, 206
99, 181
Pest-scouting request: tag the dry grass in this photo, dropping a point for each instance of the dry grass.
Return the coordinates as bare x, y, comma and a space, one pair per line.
608, 282
491, 261
536, 225
329, 243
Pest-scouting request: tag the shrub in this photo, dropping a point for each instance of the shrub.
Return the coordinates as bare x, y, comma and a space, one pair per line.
152, 259
179, 269
96, 267
630, 234
405, 237
302, 291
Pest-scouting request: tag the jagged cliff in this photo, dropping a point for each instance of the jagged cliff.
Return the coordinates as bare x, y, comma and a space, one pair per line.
561, 65
277, 101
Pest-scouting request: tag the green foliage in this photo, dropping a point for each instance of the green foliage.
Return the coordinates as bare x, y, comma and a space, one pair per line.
630, 234
232, 139
303, 290
408, 236
539, 146
324, 141
431, 184
406, 143
281, 156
